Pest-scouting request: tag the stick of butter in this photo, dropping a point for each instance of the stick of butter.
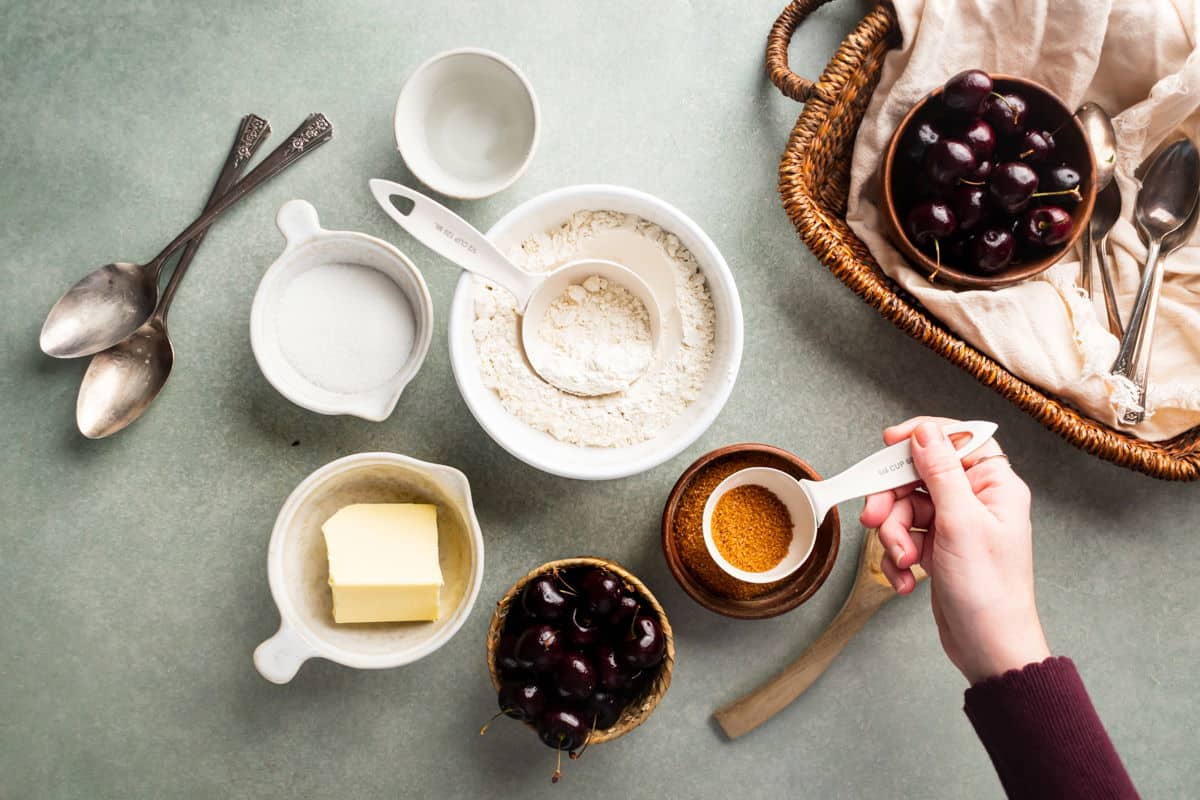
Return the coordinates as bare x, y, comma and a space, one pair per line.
383, 562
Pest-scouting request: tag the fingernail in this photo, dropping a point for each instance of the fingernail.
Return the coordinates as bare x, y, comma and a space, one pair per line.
897, 554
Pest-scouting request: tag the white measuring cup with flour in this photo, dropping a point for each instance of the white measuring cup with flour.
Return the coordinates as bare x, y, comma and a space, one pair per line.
452, 237
808, 501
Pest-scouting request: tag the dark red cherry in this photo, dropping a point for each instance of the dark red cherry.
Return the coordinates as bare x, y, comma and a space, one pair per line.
956, 250
506, 657
927, 222
1036, 146
603, 710
965, 93
643, 646
542, 600
948, 160
980, 137
1012, 184
917, 141
600, 590
539, 648
1006, 113
522, 700
562, 729
626, 608
574, 677
969, 204
581, 631
612, 674
1060, 178
982, 171
1046, 226
992, 251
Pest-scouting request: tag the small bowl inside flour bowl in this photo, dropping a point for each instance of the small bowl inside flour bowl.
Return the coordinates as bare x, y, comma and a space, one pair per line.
298, 565
540, 449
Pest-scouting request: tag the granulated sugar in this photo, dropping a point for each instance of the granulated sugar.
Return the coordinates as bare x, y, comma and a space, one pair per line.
345, 327
654, 401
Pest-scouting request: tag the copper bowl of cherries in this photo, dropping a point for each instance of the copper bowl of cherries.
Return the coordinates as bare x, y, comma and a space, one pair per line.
987, 181
581, 652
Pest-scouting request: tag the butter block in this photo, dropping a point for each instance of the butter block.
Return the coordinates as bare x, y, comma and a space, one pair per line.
383, 562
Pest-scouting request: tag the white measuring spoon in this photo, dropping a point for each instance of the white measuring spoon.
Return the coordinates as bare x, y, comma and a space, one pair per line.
809, 501
452, 237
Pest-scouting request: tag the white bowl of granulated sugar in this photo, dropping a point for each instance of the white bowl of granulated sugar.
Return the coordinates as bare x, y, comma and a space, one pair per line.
664, 411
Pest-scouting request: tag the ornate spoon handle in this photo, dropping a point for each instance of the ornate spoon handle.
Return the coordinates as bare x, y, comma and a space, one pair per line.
253, 132
314, 132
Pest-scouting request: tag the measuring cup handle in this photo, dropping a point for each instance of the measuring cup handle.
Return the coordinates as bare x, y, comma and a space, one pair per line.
279, 658
452, 237
889, 468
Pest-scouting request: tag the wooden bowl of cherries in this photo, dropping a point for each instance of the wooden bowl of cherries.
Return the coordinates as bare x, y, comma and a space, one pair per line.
581, 652
987, 181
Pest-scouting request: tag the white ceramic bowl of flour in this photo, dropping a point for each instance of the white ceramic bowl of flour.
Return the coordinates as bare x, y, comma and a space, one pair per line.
552, 454
341, 321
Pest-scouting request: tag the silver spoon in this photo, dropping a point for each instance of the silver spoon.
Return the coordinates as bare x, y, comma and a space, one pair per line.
1102, 140
1166, 205
122, 381
1104, 216
112, 302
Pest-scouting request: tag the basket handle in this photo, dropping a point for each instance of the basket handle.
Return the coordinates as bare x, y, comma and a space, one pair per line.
791, 84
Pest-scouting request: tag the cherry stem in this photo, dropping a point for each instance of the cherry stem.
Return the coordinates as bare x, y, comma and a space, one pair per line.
937, 252
499, 713
1016, 114
1073, 192
571, 590
558, 763
1026, 154
586, 741
972, 183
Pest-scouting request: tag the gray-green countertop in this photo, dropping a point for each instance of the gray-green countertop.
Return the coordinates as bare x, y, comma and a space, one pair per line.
132, 571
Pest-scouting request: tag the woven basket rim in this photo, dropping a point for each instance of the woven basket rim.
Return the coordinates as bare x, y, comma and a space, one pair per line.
640, 708
815, 204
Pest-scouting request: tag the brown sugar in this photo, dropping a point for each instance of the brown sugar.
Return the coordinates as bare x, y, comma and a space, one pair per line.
752, 528
688, 527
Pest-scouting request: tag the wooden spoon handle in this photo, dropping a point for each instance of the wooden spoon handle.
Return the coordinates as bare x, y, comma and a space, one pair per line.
747, 713
870, 592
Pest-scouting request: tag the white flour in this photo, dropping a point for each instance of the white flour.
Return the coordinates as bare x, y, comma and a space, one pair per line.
345, 327
597, 335
651, 404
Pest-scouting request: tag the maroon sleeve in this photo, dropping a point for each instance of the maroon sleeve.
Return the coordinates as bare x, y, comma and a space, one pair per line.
1043, 735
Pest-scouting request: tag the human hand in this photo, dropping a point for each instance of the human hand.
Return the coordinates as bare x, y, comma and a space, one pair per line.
971, 533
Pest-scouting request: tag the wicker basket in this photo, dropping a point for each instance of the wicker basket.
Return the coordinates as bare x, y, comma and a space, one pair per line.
814, 176
639, 708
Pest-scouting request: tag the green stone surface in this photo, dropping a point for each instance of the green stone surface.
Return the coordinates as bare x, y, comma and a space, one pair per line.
132, 570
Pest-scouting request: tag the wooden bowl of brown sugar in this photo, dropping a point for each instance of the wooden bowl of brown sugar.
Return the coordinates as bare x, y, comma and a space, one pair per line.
693, 567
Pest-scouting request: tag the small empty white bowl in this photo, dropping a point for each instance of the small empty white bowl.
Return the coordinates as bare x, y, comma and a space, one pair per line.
298, 565
342, 321
467, 123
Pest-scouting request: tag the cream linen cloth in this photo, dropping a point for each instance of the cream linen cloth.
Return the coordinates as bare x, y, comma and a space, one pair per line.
1139, 60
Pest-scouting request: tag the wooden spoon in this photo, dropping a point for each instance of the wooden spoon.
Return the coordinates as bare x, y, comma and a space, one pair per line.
870, 592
